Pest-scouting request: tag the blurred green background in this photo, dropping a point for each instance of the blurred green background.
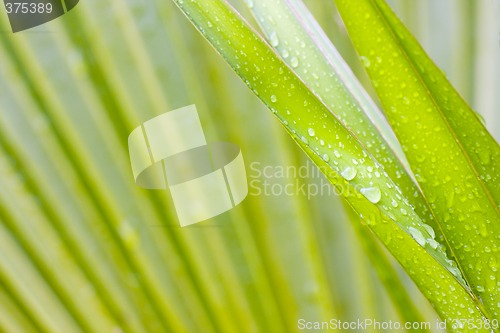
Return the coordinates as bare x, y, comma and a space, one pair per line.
83, 249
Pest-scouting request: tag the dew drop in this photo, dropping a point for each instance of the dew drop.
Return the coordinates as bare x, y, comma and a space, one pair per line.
493, 264
365, 61
432, 243
273, 38
417, 236
274, 98
311, 132
373, 194
304, 139
429, 230
349, 173
326, 158
294, 62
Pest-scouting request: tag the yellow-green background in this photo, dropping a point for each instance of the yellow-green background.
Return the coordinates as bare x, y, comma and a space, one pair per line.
82, 249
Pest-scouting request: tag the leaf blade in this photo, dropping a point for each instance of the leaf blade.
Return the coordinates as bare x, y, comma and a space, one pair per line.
260, 68
436, 154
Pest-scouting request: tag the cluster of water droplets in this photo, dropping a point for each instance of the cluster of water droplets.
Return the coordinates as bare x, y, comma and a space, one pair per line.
366, 175
296, 49
374, 184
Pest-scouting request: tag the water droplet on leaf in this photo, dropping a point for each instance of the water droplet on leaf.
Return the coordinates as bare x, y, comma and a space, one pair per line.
417, 236
273, 38
365, 61
349, 173
373, 194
